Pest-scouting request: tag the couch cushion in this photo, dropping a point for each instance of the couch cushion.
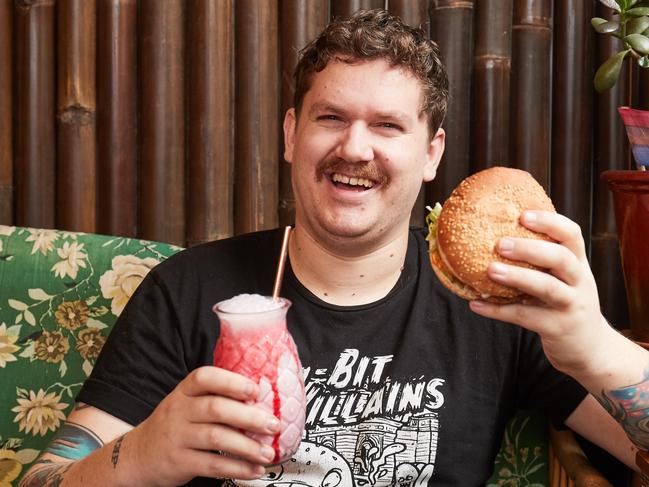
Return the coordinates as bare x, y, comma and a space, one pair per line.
60, 294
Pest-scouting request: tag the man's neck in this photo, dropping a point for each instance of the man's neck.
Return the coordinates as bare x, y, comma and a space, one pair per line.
346, 280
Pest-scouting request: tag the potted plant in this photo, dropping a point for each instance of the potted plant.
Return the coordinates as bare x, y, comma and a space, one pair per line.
630, 24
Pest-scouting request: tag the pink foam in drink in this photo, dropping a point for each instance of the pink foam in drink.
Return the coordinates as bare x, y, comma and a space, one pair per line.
255, 342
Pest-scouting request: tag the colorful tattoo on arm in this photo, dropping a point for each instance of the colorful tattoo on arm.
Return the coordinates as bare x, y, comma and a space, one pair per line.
73, 442
630, 407
45, 473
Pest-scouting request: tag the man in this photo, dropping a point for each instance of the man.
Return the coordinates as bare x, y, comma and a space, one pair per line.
403, 379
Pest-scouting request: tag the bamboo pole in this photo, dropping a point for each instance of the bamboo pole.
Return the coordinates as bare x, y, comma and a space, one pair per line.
531, 87
572, 112
344, 8
162, 141
610, 152
117, 172
414, 13
210, 131
76, 115
34, 113
492, 71
6, 128
452, 28
300, 22
257, 116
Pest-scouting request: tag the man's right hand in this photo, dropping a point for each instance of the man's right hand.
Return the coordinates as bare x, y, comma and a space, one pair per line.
198, 430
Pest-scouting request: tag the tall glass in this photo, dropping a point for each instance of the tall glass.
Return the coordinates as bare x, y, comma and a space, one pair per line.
258, 345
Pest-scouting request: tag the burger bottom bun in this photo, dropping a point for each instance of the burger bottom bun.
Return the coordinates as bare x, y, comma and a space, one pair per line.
462, 290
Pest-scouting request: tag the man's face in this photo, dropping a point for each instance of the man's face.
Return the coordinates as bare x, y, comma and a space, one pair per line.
360, 151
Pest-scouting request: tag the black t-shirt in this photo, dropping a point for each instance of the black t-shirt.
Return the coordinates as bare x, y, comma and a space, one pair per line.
414, 384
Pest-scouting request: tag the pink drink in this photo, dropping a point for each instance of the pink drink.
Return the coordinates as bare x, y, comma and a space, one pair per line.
255, 342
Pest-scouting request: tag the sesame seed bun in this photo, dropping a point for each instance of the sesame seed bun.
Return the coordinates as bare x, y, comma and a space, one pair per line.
484, 207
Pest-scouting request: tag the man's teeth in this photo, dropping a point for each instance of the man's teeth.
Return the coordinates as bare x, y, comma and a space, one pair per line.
340, 178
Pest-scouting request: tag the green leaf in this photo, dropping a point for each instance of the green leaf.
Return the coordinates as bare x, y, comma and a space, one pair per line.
607, 27
608, 73
611, 4
638, 11
638, 42
637, 25
643, 62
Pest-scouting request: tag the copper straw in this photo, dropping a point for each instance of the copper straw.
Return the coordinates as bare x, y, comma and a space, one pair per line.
281, 264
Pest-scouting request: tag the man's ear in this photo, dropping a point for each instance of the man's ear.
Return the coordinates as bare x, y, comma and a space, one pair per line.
289, 134
434, 154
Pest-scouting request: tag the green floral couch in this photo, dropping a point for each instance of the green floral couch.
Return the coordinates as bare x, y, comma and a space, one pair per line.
60, 294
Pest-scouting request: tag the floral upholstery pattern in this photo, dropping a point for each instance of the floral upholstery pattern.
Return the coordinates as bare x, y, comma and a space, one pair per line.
523, 457
60, 294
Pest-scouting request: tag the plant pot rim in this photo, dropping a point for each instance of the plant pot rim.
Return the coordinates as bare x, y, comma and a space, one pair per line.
626, 179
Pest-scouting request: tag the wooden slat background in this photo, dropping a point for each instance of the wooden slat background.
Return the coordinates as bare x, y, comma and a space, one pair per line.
161, 119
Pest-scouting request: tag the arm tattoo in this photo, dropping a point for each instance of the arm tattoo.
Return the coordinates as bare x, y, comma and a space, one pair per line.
115, 455
630, 407
45, 473
73, 442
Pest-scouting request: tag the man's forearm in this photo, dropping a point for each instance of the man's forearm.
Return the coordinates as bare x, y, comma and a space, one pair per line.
630, 407
76, 456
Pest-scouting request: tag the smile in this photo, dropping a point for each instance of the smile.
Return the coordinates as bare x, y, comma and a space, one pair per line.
360, 183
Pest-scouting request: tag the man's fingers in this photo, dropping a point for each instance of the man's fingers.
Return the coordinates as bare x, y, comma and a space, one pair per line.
222, 410
557, 259
547, 288
215, 465
558, 227
215, 437
214, 380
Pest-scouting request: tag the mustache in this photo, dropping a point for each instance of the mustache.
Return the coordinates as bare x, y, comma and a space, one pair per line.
368, 170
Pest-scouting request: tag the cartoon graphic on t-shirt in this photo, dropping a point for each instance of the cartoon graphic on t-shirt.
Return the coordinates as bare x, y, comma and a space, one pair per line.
363, 428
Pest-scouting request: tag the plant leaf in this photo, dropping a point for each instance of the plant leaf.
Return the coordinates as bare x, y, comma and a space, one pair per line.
611, 4
27, 455
638, 11
638, 42
86, 367
643, 62
606, 27
38, 294
637, 25
17, 305
29, 318
93, 323
608, 73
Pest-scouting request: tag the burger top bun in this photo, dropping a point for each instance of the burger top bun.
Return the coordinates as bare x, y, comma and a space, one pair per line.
483, 208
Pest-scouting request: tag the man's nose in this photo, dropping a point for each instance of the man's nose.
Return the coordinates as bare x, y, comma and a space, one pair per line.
355, 144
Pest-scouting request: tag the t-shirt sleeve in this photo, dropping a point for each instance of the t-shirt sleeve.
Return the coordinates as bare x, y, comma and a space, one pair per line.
143, 358
541, 386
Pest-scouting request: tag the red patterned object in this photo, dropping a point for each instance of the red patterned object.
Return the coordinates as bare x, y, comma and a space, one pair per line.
259, 346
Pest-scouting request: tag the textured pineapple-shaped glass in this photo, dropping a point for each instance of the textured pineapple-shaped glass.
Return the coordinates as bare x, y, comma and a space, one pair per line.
254, 341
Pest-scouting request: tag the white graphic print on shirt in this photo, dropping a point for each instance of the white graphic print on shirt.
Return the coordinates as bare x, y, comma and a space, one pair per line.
364, 428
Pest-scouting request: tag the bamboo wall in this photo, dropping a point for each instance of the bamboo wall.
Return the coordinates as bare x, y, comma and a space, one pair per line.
161, 119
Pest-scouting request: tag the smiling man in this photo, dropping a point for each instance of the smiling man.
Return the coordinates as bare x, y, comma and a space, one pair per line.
405, 383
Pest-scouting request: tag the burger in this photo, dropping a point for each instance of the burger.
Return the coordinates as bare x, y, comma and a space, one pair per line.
463, 233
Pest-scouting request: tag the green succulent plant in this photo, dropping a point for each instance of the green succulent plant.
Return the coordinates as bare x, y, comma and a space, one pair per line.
630, 24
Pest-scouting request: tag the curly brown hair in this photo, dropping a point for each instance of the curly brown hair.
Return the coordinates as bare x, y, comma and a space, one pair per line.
376, 34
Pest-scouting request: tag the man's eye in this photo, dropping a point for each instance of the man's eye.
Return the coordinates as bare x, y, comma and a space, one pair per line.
390, 125
328, 117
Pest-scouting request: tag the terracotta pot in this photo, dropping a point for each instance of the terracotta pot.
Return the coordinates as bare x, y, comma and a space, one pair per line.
631, 199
